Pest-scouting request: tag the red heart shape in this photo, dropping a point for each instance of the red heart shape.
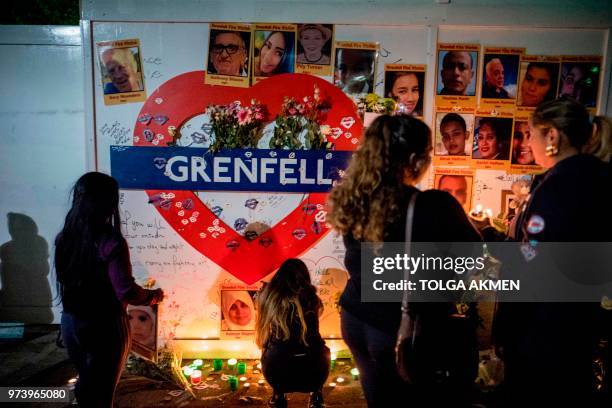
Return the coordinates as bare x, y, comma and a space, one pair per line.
185, 96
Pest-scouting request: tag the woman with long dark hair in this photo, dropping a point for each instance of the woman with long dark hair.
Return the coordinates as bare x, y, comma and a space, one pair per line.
295, 357
95, 283
369, 205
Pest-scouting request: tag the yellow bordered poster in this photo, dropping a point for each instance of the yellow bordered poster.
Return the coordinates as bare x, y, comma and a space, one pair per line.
457, 182
453, 136
457, 75
355, 67
229, 55
121, 71
405, 83
538, 80
522, 160
315, 48
273, 50
492, 137
580, 78
499, 81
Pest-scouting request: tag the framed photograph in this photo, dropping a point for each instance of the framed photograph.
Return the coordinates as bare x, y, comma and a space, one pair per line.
458, 185
228, 55
143, 325
314, 48
237, 313
406, 85
273, 50
538, 80
355, 66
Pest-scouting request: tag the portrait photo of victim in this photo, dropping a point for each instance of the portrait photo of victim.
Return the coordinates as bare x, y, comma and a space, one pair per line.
453, 134
580, 81
500, 76
121, 70
237, 310
354, 70
460, 187
274, 53
143, 325
492, 138
406, 88
538, 83
521, 151
314, 45
457, 73
228, 53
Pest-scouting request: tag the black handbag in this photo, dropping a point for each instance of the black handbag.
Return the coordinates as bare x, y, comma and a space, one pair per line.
442, 350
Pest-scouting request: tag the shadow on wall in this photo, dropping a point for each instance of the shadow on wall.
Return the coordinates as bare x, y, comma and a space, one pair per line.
24, 265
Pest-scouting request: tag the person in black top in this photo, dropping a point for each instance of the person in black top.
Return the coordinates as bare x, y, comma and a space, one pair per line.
295, 357
548, 347
95, 283
370, 205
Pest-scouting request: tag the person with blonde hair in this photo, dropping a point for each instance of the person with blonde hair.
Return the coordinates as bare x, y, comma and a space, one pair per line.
600, 142
369, 205
122, 69
294, 356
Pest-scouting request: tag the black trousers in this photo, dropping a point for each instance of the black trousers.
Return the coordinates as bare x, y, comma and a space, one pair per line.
289, 370
98, 348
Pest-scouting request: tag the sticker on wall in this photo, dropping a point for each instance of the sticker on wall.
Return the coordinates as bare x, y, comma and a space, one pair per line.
121, 71
538, 80
500, 77
492, 136
315, 43
454, 129
228, 60
355, 67
273, 50
405, 83
580, 76
457, 75
457, 182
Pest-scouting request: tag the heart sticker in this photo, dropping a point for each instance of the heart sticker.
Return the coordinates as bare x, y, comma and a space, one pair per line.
248, 258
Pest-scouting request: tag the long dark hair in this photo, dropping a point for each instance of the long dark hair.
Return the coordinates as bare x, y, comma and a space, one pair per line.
94, 211
370, 195
290, 292
285, 65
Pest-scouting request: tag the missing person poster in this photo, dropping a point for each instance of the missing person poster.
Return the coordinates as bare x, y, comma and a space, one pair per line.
228, 60
315, 47
405, 83
355, 67
457, 75
500, 77
454, 131
121, 71
273, 50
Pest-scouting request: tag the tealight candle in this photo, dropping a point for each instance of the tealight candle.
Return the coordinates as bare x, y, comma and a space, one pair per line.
340, 380
241, 368
246, 385
334, 356
231, 363
233, 383
261, 382
187, 371
259, 366
332, 384
355, 373
217, 364
198, 363
196, 377
243, 379
72, 381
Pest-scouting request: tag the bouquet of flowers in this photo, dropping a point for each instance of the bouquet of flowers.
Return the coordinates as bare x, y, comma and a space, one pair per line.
297, 126
375, 104
235, 125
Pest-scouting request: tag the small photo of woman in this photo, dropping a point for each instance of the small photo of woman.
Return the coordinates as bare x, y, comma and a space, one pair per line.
406, 88
521, 151
538, 83
314, 45
238, 310
274, 53
580, 81
492, 138
143, 325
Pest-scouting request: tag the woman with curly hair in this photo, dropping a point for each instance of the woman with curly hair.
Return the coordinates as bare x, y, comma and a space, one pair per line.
369, 205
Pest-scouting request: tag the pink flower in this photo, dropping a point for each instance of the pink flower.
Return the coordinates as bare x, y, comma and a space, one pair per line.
292, 111
259, 116
244, 117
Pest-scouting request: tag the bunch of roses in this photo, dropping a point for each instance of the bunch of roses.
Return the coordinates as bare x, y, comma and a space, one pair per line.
235, 125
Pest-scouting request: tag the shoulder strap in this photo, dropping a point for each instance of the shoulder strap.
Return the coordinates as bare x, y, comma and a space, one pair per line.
408, 241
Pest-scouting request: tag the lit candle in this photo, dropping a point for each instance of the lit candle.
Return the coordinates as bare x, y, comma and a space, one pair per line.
246, 385
187, 371
231, 363
259, 366
233, 383
340, 380
332, 384
217, 364
198, 363
241, 368
243, 379
196, 377
355, 373
261, 382
334, 356
72, 380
